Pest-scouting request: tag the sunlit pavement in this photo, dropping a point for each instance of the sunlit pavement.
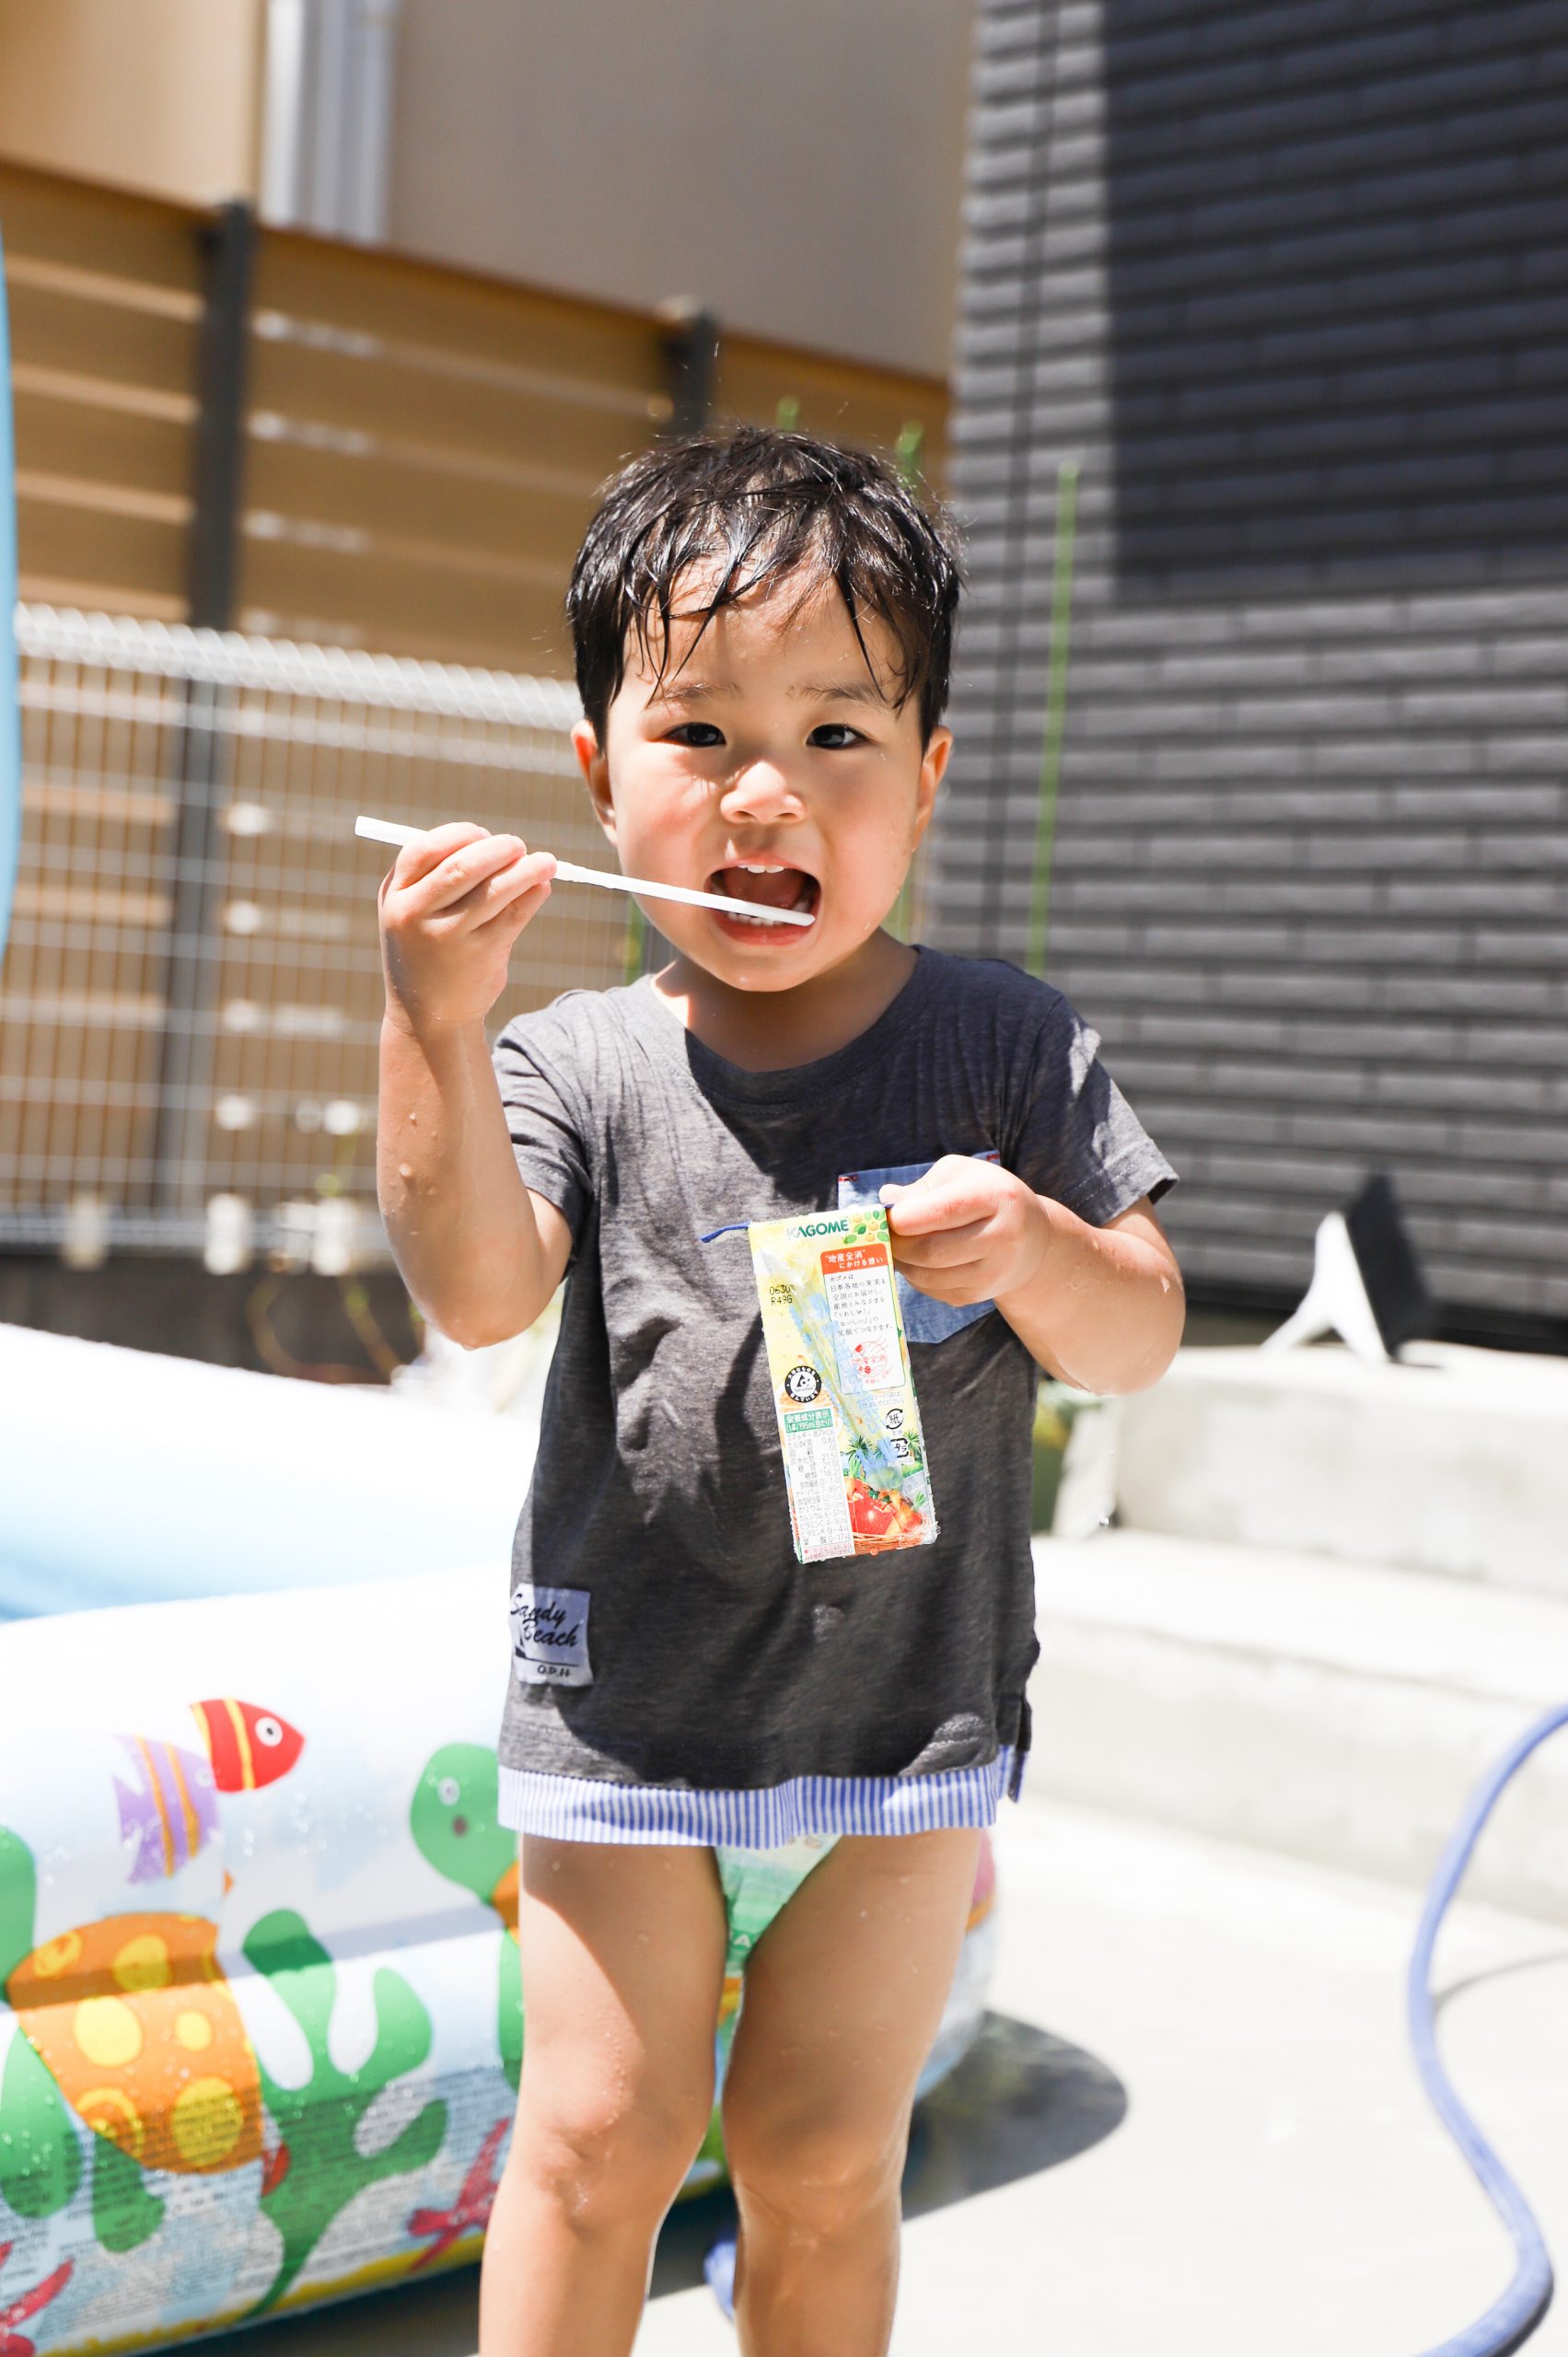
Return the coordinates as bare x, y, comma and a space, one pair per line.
1196, 2116
1277, 2187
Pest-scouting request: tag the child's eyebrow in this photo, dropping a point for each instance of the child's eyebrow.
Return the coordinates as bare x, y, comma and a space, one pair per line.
693, 690
840, 691
683, 691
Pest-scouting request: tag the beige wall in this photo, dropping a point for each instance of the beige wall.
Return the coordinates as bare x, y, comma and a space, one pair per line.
159, 95
795, 163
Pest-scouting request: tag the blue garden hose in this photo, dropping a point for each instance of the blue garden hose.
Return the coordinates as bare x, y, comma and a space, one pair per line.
1513, 2317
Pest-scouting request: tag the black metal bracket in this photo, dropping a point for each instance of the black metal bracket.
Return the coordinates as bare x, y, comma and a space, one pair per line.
222, 371
691, 366
202, 746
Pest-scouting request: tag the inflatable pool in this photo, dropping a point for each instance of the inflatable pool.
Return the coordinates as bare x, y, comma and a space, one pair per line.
261, 2023
132, 1478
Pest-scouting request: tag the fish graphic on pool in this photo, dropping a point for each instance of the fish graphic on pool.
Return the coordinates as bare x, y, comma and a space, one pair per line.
169, 1807
248, 1748
169, 1811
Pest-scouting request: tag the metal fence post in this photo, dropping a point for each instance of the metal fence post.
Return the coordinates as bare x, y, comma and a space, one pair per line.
220, 430
202, 744
691, 359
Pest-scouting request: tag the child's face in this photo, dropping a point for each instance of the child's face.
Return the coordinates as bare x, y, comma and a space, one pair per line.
770, 764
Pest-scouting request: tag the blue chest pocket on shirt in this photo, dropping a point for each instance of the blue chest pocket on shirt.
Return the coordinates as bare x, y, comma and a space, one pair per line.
925, 1320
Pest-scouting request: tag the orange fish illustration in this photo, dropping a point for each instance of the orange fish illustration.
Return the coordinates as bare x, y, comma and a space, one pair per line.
248, 1746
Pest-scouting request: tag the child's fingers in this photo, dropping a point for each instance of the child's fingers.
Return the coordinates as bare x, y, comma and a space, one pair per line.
456, 885
940, 1200
947, 1248
506, 917
416, 860
955, 1286
507, 899
533, 872
448, 886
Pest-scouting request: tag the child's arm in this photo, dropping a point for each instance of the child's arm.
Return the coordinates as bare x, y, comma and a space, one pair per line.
1102, 1308
481, 1253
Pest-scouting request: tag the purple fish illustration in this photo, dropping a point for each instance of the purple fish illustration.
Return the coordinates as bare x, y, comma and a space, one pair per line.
171, 1812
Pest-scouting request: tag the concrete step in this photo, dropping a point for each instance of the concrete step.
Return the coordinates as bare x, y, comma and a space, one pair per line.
1337, 1711
1453, 1461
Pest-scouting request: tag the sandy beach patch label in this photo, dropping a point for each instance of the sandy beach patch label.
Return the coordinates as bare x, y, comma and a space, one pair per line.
550, 1635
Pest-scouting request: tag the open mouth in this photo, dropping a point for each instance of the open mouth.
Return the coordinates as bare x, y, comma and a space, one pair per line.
767, 887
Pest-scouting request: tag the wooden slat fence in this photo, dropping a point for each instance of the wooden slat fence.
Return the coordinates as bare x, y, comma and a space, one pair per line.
188, 1009
420, 446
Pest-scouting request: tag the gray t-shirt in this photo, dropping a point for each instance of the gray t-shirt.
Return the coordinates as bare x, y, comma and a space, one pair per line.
671, 1637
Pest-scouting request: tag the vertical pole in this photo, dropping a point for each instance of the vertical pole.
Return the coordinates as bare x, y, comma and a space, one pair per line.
1055, 712
10, 713
691, 360
285, 50
202, 746
220, 425
327, 104
367, 150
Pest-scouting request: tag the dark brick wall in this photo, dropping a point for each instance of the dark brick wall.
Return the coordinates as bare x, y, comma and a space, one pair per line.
1291, 283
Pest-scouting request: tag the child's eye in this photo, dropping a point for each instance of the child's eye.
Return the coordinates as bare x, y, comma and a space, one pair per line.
700, 735
835, 737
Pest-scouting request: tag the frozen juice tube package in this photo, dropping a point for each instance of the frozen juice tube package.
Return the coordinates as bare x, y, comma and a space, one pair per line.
853, 1454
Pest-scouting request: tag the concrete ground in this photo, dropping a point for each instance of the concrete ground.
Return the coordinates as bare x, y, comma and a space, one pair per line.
1194, 2124
1278, 2181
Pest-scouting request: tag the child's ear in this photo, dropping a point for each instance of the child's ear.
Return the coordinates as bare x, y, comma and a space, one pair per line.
932, 764
596, 769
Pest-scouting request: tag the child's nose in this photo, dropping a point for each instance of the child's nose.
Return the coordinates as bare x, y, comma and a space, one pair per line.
761, 790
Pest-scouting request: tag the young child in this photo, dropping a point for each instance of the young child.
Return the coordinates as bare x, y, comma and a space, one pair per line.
762, 626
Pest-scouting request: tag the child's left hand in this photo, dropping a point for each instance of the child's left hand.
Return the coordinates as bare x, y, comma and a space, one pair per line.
968, 1231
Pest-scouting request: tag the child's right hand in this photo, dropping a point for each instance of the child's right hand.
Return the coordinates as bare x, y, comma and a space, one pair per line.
450, 910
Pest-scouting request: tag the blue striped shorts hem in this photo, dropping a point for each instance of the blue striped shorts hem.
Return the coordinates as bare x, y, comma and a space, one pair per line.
589, 1808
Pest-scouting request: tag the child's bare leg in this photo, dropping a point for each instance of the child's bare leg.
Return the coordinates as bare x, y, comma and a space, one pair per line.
844, 1992
622, 1957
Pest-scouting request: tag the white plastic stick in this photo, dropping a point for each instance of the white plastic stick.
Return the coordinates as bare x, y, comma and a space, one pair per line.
387, 831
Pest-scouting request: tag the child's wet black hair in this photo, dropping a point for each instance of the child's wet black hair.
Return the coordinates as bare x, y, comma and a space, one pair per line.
763, 505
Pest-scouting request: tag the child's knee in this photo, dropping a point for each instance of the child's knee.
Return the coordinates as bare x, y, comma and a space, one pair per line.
814, 2180
610, 2159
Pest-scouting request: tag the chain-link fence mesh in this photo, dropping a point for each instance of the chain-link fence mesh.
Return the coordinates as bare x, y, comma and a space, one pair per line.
191, 998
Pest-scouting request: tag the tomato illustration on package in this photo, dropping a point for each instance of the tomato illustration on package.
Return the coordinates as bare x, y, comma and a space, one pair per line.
849, 1424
